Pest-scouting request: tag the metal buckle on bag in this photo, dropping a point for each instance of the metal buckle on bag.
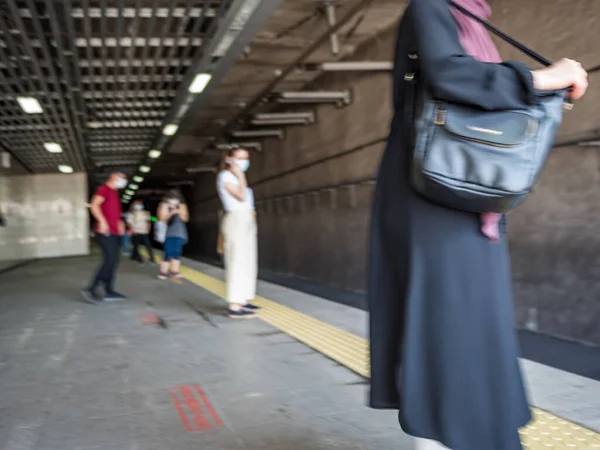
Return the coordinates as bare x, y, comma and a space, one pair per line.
440, 118
409, 77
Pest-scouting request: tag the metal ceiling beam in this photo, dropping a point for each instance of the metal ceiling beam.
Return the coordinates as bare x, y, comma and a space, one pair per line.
129, 105
95, 13
130, 113
129, 78
111, 42
124, 124
129, 94
97, 63
137, 42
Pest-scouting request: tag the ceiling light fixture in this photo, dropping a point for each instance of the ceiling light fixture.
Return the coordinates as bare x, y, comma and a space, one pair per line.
65, 169
138, 179
253, 145
590, 144
30, 105
258, 133
144, 169
341, 98
200, 82
53, 147
308, 115
129, 192
357, 66
154, 154
271, 122
133, 186
170, 129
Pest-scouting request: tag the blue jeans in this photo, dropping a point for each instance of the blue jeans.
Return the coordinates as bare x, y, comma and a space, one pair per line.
173, 248
126, 244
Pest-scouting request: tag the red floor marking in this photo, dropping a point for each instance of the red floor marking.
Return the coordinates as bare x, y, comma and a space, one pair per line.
193, 405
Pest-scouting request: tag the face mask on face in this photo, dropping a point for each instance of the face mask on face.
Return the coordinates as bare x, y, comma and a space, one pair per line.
174, 201
243, 164
121, 183
138, 207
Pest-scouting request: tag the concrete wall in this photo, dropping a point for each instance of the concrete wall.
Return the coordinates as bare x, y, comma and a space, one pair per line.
554, 241
46, 217
314, 193
8, 167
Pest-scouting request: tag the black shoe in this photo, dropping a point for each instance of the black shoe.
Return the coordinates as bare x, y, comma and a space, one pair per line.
251, 307
241, 314
90, 296
114, 297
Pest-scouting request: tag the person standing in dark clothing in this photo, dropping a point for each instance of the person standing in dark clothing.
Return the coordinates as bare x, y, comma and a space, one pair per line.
107, 211
443, 346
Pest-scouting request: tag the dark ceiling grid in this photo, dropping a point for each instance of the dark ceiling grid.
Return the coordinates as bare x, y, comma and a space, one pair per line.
81, 113
72, 139
70, 80
153, 81
15, 116
18, 143
31, 126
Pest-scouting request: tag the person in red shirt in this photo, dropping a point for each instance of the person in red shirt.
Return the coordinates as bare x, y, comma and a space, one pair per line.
109, 227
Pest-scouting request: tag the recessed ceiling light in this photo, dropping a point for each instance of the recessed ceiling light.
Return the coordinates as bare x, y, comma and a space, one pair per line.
138, 179
30, 105
133, 186
154, 154
65, 169
144, 169
199, 83
129, 192
53, 147
170, 130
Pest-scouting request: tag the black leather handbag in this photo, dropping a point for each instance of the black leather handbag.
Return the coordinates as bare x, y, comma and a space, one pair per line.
479, 161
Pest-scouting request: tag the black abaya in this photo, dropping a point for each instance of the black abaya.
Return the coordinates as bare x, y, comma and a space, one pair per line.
443, 345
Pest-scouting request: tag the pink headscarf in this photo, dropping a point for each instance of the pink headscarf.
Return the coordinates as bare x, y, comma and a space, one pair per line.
477, 43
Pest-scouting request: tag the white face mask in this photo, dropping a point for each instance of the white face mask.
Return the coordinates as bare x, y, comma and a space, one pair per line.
138, 207
174, 201
121, 183
243, 164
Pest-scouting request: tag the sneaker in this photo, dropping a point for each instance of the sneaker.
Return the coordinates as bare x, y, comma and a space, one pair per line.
241, 314
177, 275
251, 307
90, 297
114, 297
162, 276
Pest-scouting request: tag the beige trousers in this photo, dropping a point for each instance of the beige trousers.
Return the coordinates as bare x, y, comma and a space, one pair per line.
240, 249
426, 444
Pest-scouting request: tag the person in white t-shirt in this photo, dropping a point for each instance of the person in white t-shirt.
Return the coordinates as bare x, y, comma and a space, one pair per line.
139, 222
239, 231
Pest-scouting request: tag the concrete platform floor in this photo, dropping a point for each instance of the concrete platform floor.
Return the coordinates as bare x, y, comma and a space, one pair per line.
75, 376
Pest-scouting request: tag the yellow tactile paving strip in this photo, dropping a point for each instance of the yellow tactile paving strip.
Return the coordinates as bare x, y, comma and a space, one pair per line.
547, 431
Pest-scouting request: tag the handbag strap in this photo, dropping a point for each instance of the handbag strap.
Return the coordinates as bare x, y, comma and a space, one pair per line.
529, 52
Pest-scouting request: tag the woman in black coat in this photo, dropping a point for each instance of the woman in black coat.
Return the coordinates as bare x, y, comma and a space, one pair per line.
443, 346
